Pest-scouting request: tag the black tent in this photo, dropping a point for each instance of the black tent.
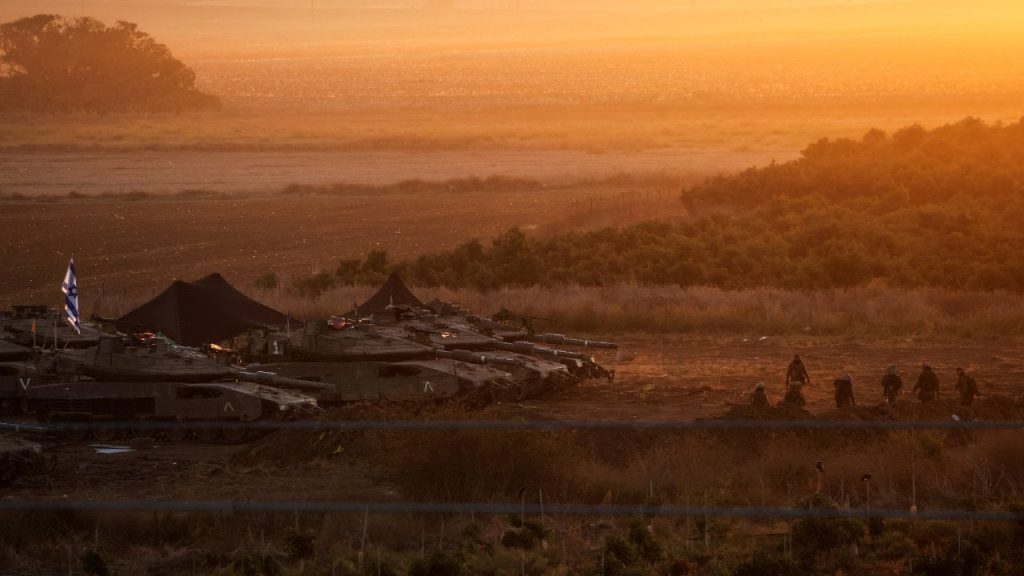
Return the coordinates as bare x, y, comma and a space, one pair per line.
394, 291
200, 312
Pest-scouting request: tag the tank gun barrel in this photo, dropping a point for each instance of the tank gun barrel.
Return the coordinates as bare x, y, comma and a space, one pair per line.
521, 347
478, 358
271, 379
562, 340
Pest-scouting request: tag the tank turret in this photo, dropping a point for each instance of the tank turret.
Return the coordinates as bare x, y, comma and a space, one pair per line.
112, 360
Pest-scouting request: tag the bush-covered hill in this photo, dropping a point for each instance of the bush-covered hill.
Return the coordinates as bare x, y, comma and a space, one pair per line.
940, 208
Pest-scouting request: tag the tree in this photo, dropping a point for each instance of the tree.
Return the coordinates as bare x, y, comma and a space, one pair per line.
52, 64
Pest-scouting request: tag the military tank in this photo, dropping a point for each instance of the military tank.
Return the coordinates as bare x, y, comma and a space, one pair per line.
395, 347
410, 361
359, 362
103, 389
449, 327
413, 353
37, 325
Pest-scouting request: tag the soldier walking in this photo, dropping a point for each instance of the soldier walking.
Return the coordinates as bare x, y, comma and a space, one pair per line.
927, 385
967, 386
796, 372
758, 397
891, 384
844, 391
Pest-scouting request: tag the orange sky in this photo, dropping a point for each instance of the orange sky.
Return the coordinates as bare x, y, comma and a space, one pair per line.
818, 47
242, 25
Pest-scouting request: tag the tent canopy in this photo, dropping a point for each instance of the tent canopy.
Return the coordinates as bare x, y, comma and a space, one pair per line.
207, 310
394, 291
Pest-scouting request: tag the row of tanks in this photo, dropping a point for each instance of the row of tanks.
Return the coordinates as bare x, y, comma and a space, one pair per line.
97, 384
433, 351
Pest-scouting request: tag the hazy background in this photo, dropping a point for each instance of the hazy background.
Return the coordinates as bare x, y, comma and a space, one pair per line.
325, 91
353, 55
708, 86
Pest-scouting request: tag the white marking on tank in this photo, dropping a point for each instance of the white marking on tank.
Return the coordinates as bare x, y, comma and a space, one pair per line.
228, 407
427, 387
24, 382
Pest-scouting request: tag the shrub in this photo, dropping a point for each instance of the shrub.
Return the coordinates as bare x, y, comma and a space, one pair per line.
299, 545
315, 285
268, 281
93, 563
768, 565
439, 564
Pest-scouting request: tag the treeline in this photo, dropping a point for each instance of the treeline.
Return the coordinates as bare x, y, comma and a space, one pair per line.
881, 174
49, 63
940, 208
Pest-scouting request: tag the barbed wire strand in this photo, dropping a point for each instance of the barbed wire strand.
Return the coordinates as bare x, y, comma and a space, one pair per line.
321, 425
327, 506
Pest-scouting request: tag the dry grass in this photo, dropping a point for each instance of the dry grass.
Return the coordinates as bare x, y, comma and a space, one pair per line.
738, 468
872, 311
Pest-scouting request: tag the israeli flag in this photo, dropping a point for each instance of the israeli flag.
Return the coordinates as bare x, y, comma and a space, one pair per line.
70, 289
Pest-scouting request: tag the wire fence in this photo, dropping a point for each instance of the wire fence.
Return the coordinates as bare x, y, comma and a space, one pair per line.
321, 425
499, 508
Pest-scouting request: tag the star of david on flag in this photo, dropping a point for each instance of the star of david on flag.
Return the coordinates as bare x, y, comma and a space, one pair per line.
70, 289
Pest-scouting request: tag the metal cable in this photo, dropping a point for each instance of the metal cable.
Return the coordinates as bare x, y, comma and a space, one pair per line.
308, 506
320, 425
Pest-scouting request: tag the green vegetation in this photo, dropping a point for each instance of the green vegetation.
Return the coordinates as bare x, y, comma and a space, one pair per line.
920, 208
52, 64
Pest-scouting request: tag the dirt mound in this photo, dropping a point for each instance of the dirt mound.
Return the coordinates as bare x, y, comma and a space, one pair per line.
997, 407
781, 411
945, 409
878, 413
284, 447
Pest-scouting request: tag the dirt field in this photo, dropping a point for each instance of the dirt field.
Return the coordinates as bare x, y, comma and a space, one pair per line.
133, 246
671, 378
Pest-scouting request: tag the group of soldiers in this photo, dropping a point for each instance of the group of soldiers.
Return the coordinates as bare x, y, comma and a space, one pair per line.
926, 387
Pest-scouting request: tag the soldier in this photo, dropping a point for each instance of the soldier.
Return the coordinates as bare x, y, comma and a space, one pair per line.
758, 397
796, 372
844, 391
794, 396
891, 384
967, 386
927, 385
